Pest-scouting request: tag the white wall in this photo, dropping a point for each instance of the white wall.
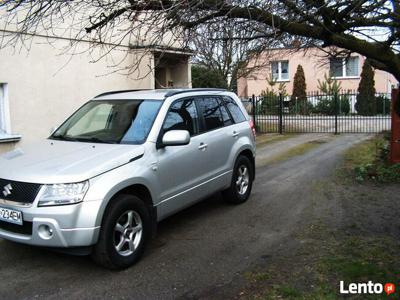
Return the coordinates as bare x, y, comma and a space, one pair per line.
46, 87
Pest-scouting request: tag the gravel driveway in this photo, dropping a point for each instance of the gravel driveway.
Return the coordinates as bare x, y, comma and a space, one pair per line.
197, 252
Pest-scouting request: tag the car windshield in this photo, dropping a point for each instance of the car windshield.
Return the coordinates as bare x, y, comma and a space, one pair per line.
113, 121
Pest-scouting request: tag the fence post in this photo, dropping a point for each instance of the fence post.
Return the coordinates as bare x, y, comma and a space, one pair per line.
336, 96
280, 113
253, 99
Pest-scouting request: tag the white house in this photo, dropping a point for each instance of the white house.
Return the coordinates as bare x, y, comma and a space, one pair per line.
41, 87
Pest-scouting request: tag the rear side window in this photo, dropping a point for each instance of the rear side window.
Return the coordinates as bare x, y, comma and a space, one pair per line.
234, 109
225, 115
182, 115
210, 108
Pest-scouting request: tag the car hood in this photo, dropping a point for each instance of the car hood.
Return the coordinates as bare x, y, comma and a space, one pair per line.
65, 162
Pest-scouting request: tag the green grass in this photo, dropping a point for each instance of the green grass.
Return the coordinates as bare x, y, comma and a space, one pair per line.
365, 152
369, 161
351, 259
359, 259
257, 276
289, 292
327, 256
354, 251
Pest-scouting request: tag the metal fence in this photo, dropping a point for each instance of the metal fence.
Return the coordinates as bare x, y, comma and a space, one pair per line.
324, 113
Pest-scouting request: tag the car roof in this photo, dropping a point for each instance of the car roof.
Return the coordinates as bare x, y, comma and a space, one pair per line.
156, 94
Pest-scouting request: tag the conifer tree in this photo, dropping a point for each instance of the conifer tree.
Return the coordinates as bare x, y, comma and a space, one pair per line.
366, 102
299, 94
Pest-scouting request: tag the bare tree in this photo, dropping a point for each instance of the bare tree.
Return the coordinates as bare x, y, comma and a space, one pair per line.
368, 27
230, 49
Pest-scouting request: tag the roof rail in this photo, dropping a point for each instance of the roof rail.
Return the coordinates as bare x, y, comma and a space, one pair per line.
121, 91
175, 92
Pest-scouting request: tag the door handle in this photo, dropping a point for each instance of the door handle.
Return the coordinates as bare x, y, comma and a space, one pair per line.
203, 146
235, 134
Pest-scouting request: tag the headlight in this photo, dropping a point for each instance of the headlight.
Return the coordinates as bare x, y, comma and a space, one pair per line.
62, 194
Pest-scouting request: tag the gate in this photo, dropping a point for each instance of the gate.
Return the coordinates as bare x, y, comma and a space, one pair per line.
321, 113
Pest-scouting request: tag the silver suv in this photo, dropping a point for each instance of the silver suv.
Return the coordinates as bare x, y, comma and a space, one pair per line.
122, 162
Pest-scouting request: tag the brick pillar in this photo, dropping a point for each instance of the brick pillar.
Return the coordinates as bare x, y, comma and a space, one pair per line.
395, 141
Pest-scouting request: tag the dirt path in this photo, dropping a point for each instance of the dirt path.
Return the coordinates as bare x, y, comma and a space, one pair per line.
266, 150
289, 141
198, 253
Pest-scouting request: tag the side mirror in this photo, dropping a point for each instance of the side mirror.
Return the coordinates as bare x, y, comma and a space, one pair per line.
176, 138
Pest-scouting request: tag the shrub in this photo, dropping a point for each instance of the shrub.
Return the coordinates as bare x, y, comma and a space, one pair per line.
370, 160
380, 172
329, 86
326, 105
269, 103
344, 105
383, 105
301, 107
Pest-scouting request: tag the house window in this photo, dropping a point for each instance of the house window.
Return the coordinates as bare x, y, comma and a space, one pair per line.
280, 70
344, 67
5, 128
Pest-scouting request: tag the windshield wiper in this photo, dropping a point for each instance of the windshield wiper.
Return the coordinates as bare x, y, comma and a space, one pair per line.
62, 138
94, 140
81, 139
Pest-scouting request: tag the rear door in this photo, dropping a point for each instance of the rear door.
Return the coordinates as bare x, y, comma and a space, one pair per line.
240, 126
218, 136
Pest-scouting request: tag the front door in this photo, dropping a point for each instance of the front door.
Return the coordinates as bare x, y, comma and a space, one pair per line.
181, 168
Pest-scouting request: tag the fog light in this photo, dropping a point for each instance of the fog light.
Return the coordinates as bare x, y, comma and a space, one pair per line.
45, 232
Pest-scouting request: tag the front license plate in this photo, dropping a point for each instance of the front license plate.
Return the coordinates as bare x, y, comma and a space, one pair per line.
11, 216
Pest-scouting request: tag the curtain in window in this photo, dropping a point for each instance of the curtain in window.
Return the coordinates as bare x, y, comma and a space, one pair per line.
336, 67
284, 70
352, 66
275, 70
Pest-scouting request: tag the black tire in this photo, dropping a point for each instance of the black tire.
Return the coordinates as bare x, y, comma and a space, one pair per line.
105, 252
232, 194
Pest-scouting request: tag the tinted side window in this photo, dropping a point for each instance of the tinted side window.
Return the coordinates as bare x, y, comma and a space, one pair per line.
225, 115
182, 115
210, 108
234, 109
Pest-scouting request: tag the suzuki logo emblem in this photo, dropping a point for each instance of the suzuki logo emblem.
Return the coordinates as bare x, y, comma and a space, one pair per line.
7, 190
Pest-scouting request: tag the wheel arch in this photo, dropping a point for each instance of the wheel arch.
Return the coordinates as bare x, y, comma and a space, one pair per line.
249, 154
140, 190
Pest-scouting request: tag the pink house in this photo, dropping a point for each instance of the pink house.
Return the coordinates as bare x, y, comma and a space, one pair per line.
280, 65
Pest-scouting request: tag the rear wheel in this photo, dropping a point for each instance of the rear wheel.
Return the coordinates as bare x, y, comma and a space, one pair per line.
242, 181
125, 230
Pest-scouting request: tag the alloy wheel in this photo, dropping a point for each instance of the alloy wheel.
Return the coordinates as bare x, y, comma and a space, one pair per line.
128, 233
242, 182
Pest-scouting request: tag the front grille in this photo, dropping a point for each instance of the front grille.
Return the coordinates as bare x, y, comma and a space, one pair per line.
26, 228
22, 192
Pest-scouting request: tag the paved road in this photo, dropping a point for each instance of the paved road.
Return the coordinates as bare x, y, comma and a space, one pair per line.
197, 253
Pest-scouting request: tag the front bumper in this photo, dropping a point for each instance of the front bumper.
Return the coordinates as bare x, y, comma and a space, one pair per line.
60, 238
70, 225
